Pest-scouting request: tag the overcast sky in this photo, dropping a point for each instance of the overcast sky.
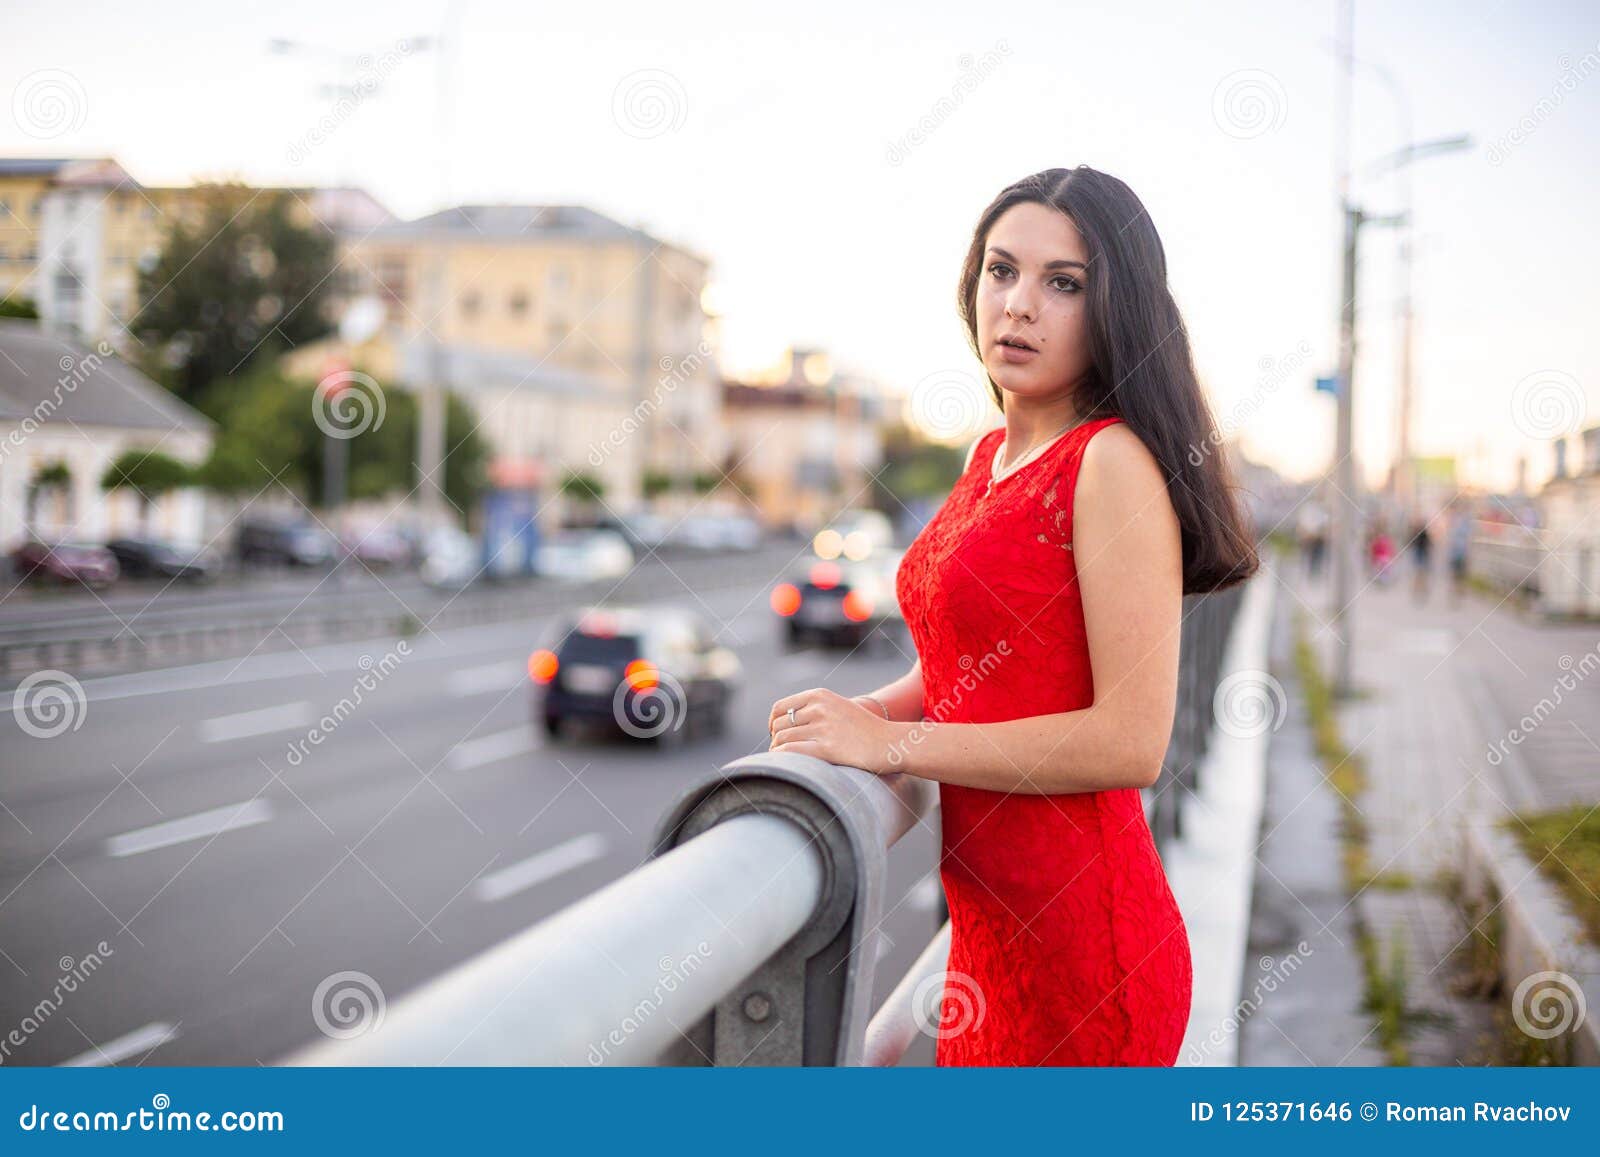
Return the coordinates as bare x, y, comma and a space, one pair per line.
830, 159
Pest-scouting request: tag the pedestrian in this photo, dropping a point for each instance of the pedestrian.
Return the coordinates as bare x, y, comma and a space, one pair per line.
1421, 559
1380, 553
1456, 552
1313, 532
1044, 599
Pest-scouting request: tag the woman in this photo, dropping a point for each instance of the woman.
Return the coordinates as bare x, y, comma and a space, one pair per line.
1045, 598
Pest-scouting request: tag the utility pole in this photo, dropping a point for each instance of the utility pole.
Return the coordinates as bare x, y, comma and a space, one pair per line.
1345, 511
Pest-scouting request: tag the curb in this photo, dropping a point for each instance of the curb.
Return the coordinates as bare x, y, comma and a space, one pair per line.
1541, 935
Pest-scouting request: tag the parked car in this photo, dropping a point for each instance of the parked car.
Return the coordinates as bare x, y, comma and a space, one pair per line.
855, 534
65, 562
581, 555
450, 558
719, 532
153, 558
841, 602
651, 672
288, 543
378, 548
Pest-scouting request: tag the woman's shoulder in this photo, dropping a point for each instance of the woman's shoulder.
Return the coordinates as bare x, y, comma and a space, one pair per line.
1110, 451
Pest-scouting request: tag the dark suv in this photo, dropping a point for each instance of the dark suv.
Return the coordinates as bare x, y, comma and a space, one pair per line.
651, 672
285, 543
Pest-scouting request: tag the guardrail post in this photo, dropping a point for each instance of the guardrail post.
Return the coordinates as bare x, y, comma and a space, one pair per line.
809, 1004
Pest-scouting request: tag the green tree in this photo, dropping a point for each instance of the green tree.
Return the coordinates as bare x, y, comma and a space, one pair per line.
242, 281
22, 307
269, 431
149, 475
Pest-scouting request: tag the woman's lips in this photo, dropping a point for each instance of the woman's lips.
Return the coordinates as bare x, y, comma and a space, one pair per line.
1015, 355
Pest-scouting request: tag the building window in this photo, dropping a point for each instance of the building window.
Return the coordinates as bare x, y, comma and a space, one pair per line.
471, 302
519, 303
394, 279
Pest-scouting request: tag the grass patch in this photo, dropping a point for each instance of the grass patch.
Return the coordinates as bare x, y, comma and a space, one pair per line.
1566, 845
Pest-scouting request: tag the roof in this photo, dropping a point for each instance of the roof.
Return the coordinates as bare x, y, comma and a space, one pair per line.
55, 380
520, 223
466, 368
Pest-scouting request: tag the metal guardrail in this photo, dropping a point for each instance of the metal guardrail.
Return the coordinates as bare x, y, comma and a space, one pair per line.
1207, 622
747, 938
1558, 572
749, 935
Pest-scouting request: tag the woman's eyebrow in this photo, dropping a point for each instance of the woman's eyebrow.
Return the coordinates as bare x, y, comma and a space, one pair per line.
1059, 264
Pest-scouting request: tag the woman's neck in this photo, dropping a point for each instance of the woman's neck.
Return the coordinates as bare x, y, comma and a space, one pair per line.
1029, 425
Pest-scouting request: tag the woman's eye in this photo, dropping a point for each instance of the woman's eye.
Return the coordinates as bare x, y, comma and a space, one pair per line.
1066, 285
996, 267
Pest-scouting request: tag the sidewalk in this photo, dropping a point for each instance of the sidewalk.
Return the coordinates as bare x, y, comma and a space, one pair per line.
1439, 687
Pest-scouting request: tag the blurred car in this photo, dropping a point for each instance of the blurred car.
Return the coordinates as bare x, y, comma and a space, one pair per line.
379, 548
719, 532
643, 530
285, 543
841, 602
153, 558
65, 562
854, 535
579, 555
652, 672
450, 557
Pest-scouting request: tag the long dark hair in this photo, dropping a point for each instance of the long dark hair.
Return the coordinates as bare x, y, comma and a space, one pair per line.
1142, 368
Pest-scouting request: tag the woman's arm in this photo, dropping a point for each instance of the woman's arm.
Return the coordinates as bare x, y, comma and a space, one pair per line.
1128, 550
903, 697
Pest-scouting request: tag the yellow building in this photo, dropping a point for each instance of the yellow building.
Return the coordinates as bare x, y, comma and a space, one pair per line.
75, 233
593, 339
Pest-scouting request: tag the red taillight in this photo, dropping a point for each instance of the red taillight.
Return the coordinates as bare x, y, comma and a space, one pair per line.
857, 607
825, 575
786, 598
641, 674
542, 666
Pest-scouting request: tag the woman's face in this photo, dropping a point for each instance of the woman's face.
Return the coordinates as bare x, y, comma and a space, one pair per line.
1031, 288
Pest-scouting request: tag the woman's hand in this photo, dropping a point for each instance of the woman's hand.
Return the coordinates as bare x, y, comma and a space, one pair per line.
831, 727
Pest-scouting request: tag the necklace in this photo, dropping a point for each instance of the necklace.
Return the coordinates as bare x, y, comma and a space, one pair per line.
996, 474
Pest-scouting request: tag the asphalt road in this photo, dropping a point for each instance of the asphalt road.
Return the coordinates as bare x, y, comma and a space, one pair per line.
230, 867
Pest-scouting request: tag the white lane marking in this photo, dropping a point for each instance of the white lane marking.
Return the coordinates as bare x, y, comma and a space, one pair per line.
537, 869
140, 1040
492, 748
195, 827
262, 721
481, 680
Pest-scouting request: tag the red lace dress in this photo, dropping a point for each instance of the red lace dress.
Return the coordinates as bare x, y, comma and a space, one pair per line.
1067, 946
